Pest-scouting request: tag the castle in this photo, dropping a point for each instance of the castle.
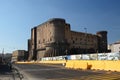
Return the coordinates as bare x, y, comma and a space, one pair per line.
55, 38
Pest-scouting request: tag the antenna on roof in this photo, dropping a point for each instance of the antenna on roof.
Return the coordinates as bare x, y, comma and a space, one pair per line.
3, 55
3, 51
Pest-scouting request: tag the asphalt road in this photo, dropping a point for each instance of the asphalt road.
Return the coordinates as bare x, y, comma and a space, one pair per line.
57, 72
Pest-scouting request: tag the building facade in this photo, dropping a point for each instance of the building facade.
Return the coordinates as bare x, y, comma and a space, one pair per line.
115, 47
55, 38
19, 55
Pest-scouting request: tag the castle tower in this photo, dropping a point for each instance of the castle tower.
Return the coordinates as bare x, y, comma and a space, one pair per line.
58, 44
33, 42
102, 41
59, 29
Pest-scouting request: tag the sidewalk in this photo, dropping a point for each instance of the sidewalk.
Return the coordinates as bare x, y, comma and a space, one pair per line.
6, 77
8, 74
5, 72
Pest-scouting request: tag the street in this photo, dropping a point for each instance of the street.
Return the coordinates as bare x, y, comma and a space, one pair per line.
58, 72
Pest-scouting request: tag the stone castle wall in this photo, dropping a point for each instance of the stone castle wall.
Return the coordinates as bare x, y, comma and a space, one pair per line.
55, 37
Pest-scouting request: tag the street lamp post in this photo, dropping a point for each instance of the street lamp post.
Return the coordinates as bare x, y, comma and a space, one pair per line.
85, 40
85, 45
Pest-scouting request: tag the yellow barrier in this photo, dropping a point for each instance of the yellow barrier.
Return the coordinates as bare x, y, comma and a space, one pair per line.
97, 65
53, 62
36, 62
70, 64
112, 65
94, 64
76, 64
26, 62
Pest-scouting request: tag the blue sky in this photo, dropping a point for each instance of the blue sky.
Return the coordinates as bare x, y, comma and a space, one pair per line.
17, 17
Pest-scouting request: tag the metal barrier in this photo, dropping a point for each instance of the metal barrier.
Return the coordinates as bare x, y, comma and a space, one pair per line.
16, 73
95, 56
